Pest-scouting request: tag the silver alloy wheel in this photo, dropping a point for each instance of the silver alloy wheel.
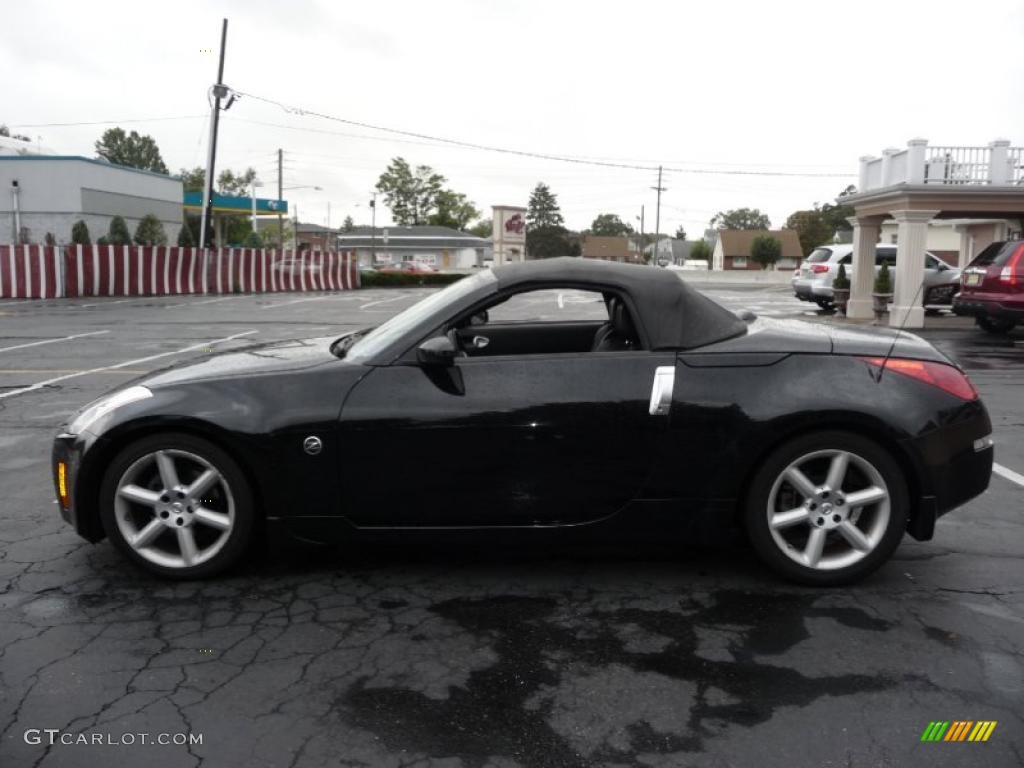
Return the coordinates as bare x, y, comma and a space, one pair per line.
828, 509
174, 508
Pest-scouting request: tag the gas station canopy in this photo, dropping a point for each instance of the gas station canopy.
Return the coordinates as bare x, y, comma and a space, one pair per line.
237, 206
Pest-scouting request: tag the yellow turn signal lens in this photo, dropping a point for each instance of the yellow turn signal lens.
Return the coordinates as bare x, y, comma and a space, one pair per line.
62, 483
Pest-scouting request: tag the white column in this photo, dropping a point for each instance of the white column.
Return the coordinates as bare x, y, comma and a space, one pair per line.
862, 178
966, 245
887, 175
911, 242
865, 238
915, 160
999, 161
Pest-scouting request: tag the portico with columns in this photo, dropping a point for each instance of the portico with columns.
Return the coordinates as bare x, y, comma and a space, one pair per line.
982, 188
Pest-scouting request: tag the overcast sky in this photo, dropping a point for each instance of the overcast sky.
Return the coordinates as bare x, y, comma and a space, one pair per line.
777, 87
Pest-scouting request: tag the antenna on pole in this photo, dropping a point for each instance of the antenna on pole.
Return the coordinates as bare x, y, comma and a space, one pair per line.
219, 91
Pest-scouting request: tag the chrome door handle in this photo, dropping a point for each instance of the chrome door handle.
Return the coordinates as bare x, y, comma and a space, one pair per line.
479, 342
661, 390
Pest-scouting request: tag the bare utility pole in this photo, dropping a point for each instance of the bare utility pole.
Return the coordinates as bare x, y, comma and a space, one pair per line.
641, 233
219, 91
657, 220
373, 230
280, 202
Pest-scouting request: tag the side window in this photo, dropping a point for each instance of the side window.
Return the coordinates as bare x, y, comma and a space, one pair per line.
885, 256
847, 259
551, 305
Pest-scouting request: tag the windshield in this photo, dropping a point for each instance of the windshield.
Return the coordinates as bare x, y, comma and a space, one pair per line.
381, 337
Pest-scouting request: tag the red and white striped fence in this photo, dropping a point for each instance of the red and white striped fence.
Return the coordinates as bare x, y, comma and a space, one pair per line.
32, 271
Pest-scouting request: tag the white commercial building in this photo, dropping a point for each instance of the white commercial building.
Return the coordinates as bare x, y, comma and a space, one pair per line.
47, 194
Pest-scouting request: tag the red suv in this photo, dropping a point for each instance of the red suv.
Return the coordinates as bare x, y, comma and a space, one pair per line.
992, 287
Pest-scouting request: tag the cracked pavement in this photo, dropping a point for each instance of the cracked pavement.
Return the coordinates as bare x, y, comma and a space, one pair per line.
485, 651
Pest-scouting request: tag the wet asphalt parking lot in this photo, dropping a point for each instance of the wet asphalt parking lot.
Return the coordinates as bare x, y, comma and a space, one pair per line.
481, 652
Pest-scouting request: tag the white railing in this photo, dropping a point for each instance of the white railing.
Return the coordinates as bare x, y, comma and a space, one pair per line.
998, 164
957, 165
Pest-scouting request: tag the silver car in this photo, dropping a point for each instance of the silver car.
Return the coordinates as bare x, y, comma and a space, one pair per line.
813, 281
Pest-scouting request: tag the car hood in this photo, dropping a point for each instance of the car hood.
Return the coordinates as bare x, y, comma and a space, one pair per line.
255, 360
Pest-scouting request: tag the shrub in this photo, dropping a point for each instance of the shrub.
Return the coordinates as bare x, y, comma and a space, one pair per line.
765, 250
842, 282
80, 233
700, 251
50, 239
185, 236
118, 234
883, 280
406, 279
150, 231
253, 240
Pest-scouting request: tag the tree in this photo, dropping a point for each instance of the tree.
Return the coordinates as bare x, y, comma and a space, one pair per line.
765, 250
680, 233
741, 218
700, 251
150, 231
453, 210
483, 228
610, 225
118, 233
237, 184
131, 150
545, 230
348, 225
410, 194
812, 228
836, 215
253, 240
5, 131
543, 209
272, 234
193, 180
50, 239
185, 236
80, 233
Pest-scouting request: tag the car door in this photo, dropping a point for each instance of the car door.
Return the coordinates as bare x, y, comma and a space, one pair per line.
555, 438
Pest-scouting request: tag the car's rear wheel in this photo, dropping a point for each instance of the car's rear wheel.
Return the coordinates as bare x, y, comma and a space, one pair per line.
177, 505
825, 304
996, 325
827, 508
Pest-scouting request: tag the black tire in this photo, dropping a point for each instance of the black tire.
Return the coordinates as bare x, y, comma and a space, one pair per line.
229, 548
756, 514
995, 325
825, 304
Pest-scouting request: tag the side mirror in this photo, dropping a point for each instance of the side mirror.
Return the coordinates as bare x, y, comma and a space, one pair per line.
439, 350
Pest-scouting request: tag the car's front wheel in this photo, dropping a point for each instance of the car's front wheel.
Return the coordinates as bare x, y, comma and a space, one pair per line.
995, 325
827, 508
177, 505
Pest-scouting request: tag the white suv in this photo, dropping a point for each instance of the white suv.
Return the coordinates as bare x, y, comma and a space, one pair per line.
813, 281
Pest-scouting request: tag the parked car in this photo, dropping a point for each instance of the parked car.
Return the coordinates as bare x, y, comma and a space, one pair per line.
408, 266
660, 410
367, 268
993, 287
293, 265
813, 281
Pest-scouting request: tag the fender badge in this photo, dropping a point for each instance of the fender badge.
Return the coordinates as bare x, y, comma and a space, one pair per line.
312, 445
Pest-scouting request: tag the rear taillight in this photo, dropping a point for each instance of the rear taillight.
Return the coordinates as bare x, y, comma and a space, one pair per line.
819, 268
1011, 273
945, 377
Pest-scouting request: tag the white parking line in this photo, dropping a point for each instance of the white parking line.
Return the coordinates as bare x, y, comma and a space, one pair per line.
125, 364
204, 301
314, 298
382, 301
53, 341
1009, 474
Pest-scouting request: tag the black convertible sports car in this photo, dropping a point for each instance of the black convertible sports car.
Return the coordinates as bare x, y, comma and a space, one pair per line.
825, 444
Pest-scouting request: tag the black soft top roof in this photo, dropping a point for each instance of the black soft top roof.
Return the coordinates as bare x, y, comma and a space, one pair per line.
671, 313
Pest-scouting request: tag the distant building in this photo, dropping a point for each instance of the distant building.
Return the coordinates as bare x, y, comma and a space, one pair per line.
669, 249
49, 193
732, 251
440, 247
609, 248
315, 237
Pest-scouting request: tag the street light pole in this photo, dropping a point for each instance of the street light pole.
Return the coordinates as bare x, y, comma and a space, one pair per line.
641, 233
373, 230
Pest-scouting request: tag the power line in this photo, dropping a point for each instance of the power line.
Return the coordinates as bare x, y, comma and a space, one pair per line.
109, 122
523, 153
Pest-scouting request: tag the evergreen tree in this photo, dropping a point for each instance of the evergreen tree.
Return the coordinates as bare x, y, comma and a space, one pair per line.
80, 233
118, 234
185, 237
150, 231
543, 209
